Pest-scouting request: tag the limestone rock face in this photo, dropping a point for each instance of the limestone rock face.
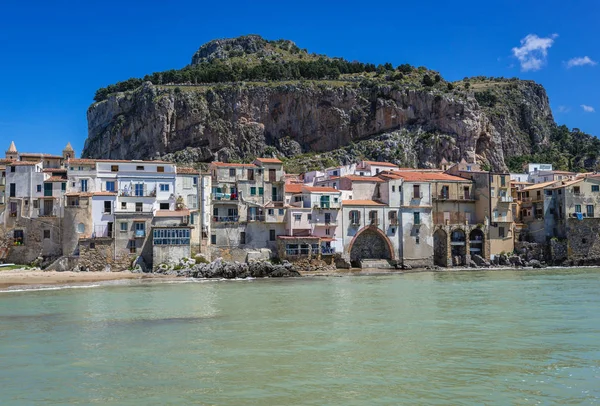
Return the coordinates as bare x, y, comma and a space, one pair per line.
246, 120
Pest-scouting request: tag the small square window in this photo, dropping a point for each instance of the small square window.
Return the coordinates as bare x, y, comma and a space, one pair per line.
92, 245
213, 239
39, 188
123, 205
46, 234
232, 172
139, 207
164, 206
114, 168
139, 168
123, 226
160, 169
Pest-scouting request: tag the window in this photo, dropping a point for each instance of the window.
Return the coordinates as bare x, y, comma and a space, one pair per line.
242, 237
164, 206
39, 188
393, 188
281, 212
63, 186
164, 187
595, 188
271, 235
335, 185
107, 207
261, 191
271, 212
492, 192
114, 168
417, 218
46, 234
213, 239
253, 191
171, 236
123, 226
416, 191
139, 168
560, 191
469, 168
354, 217
501, 232
417, 240
110, 186
81, 228
577, 208
590, 210
376, 171
232, 212
139, 189
139, 207
309, 216
192, 201
140, 229
215, 211
327, 231
12, 169
373, 217
232, 172
12, 190
123, 206
36, 204
576, 190
92, 245
195, 180
160, 169
84, 185
187, 182
502, 180
297, 217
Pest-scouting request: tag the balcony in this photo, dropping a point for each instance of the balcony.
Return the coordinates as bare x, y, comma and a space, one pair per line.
137, 193
505, 199
324, 222
327, 250
219, 197
47, 212
256, 217
417, 196
226, 219
455, 196
327, 206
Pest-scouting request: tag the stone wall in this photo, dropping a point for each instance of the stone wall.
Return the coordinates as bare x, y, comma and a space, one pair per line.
98, 254
42, 238
583, 241
169, 254
530, 250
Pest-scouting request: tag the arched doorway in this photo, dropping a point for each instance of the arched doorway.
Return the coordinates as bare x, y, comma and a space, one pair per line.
458, 242
370, 243
440, 248
476, 243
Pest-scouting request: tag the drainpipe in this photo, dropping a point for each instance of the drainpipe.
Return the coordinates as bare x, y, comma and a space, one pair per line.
201, 199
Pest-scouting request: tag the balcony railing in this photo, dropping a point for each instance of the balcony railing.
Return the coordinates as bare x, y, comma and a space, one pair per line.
226, 219
416, 196
327, 205
324, 222
227, 197
137, 193
327, 250
256, 217
47, 212
455, 196
506, 199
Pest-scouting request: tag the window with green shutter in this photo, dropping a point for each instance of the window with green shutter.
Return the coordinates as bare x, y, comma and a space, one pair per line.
253, 191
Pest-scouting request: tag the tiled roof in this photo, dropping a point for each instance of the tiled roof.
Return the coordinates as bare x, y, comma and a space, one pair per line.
172, 213
56, 179
54, 170
186, 170
35, 155
356, 178
296, 237
81, 161
375, 163
269, 160
318, 189
125, 161
293, 188
564, 183
423, 176
24, 163
226, 164
539, 185
361, 203
104, 193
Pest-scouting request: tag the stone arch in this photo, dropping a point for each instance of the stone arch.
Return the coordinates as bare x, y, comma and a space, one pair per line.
440, 247
477, 242
370, 243
458, 244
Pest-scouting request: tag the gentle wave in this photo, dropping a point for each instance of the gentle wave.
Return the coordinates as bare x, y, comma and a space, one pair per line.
42, 288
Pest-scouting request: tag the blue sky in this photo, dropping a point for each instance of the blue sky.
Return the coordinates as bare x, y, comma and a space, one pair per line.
56, 54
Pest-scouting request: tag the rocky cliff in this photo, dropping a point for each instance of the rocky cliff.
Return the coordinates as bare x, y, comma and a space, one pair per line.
485, 118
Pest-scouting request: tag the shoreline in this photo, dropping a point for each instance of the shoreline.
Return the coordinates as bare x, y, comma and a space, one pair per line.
25, 278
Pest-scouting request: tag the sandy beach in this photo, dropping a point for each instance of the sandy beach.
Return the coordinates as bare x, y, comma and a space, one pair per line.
24, 277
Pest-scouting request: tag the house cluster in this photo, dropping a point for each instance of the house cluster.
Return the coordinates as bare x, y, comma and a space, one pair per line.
97, 212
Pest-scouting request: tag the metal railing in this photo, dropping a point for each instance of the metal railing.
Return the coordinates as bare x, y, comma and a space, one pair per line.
225, 219
330, 222
47, 212
256, 217
454, 196
506, 199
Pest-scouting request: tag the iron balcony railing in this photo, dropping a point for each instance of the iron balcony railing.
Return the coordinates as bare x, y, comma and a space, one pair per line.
225, 219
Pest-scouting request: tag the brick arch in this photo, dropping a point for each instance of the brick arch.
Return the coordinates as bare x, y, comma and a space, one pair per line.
378, 233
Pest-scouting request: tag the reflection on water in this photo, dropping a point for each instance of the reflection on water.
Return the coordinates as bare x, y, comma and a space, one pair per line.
502, 337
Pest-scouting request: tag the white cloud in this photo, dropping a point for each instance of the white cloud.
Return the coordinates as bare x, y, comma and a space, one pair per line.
588, 109
533, 51
563, 109
581, 61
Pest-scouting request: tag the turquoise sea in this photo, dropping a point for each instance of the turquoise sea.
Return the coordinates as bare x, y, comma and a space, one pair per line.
454, 338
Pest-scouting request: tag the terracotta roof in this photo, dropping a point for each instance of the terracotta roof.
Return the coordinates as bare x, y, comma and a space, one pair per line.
75, 194
375, 163
296, 237
186, 170
564, 172
226, 164
514, 182
82, 161
318, 189
130, 161
54, 170
356, 178
361, 203
56, 179
24, 163
422, 176
172, 213
539, 185
104, 193
565, 183
293, 188
35, 155
269, 160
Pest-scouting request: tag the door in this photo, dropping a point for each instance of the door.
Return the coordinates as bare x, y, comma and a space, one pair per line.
13, 190
274, 194
327, 218
48, 207
272, 175
110, 229
48, 189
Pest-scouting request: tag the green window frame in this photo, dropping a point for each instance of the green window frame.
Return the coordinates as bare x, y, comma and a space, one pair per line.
253, 191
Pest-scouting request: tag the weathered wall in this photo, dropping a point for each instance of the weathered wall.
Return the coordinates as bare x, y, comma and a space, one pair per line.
96, 255
584, 240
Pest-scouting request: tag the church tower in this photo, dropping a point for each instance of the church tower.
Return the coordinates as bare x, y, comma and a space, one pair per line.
68, 152
12, 152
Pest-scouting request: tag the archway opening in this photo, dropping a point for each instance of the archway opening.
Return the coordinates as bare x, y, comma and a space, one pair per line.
440, 248
476, 243
370, 244
458, 242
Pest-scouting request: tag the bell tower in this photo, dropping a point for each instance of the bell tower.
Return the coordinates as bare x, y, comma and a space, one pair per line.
68, 152
12, 152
